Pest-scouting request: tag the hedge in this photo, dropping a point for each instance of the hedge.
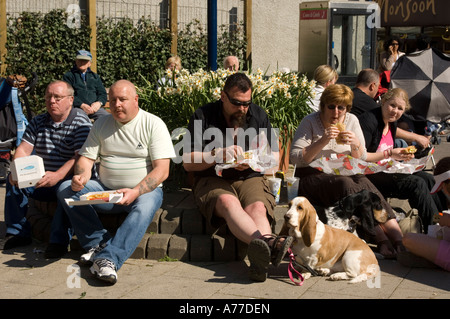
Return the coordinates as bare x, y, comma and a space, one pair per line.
46, 44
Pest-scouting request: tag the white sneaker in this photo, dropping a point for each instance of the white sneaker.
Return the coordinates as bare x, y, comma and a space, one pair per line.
104, 269
88, 258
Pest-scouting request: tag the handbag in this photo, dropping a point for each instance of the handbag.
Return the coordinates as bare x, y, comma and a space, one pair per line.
411, 222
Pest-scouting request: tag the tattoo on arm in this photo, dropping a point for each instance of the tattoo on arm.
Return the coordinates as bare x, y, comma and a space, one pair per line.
148, 185
78, 170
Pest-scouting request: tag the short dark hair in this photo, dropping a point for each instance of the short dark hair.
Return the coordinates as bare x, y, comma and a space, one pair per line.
389, 41
239, 80
367, 77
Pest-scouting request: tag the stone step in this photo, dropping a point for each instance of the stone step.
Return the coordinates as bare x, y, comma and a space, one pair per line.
178, 231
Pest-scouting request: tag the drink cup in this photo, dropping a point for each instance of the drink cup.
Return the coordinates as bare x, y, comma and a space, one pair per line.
275, 186
292, 187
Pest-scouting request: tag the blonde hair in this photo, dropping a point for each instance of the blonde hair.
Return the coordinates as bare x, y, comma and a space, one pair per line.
175, 60
324, 73
397, 92
338, 94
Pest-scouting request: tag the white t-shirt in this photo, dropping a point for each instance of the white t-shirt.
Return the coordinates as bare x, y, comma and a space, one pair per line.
126, 151
311, 129
314, 103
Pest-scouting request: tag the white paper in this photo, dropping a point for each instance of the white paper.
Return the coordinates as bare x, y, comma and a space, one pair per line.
346, 165
114, 197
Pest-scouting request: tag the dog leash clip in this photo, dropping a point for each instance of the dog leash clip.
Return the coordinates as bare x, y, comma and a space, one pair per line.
292, 269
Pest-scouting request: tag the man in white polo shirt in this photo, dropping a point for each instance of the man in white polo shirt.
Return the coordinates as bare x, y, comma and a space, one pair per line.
134, 148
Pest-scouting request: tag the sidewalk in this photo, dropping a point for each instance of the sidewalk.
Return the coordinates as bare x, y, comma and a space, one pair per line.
26, 274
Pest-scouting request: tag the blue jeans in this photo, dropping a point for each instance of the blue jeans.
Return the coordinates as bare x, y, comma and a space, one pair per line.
90, 231
16, 208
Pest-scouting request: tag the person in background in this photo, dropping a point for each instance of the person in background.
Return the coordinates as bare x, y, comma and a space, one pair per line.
324, 75
316, 137
231, 63
365, 90
390, 55
56, 136
423, 42
241, 197
134, 148
434, 250
90, 94
173, 64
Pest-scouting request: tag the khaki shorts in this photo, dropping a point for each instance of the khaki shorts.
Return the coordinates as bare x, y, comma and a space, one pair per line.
207, 189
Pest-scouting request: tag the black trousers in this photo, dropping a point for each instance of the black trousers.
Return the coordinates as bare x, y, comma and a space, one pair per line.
415, 188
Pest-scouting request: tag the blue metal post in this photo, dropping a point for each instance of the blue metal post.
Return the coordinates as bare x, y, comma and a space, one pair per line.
212, 34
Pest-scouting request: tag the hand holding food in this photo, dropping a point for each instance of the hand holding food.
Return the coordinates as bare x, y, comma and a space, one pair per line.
409, 150
340, 138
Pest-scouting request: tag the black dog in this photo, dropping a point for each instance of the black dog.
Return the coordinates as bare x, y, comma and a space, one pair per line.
358, 213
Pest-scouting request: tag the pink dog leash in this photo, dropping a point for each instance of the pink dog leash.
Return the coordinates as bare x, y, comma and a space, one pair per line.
292, 269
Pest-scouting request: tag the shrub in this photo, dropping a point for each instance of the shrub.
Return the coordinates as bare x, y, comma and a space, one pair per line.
46, 44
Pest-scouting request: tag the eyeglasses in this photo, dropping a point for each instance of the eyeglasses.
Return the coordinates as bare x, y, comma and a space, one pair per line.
339, 107
56, 97
237, 102
395, 44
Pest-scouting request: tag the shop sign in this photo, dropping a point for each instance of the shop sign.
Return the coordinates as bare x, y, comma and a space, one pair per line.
414, 12
313, 14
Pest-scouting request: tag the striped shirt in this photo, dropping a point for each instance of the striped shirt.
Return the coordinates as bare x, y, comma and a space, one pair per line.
57, 143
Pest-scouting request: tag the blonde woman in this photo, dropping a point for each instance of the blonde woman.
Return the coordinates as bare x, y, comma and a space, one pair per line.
174, 64
379, 127
324, 75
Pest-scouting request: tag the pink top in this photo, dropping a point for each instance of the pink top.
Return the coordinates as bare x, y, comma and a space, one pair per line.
386, 142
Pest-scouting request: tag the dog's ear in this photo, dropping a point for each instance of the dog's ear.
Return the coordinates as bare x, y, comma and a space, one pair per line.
379, 213
308, 222
367, 220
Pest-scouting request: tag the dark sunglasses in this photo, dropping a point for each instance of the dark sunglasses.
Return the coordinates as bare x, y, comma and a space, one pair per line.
238, 103
339, 107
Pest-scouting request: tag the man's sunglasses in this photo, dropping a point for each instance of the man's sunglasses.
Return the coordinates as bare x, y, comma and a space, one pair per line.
237, 102
339, 107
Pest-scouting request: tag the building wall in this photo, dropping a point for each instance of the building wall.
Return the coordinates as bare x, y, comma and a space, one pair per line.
275, 34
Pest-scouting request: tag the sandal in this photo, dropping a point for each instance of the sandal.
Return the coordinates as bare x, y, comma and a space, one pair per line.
278, 253
259, 257
387, 243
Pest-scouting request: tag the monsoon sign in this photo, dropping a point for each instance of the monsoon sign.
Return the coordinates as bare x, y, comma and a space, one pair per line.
414, 12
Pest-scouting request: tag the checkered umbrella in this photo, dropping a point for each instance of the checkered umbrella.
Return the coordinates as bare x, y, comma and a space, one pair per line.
425, 75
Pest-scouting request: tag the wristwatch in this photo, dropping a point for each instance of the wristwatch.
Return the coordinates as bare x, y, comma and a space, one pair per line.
101, 103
